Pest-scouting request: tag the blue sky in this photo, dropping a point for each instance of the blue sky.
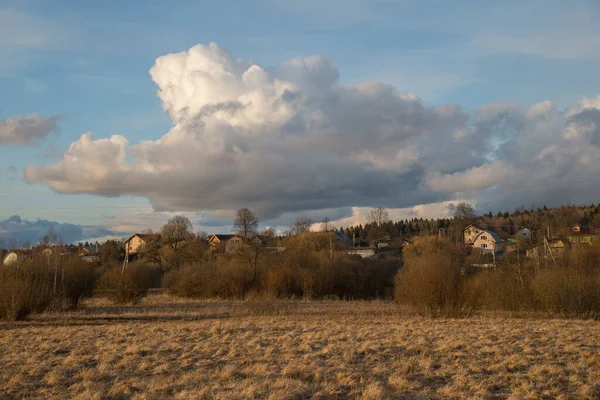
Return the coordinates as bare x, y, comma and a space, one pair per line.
88, 63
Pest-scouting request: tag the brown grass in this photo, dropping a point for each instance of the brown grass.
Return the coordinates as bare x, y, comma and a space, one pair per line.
173, 348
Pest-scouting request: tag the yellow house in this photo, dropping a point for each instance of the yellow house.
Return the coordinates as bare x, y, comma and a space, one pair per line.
470, 233
230, 243
137, 240
487, 242
11, 258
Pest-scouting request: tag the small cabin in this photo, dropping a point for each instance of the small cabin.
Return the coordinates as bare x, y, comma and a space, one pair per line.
11, 258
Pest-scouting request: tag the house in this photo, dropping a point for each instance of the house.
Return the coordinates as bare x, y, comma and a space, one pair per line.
86, 251
524, 234
17, 255
363, 253
137, 240
487, 242
557, 247
470, 233
229, 243
11, 258
581, 235
554, 247
342, 237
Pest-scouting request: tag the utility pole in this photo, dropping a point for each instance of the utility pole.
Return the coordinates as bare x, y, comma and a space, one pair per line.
550, 251
126, 261
330, 247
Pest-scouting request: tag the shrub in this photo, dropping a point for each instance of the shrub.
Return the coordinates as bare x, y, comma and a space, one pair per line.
221, 279
283, 282
126, 286
25, 288
568, 291
502, 290
77, 281
431, 280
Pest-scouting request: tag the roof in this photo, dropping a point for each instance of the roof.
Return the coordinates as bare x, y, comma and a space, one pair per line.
222, 237
343, 237
494, 236
143, 236
474, 226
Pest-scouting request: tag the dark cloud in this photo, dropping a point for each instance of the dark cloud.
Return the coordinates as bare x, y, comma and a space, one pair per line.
16, 230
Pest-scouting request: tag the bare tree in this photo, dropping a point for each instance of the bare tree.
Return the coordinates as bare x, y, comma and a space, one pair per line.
464, 211
464, 215
377, 217
251, 253
302, 225
51, 238
175, 232
268, 235
326, 225
175, 235
246, 223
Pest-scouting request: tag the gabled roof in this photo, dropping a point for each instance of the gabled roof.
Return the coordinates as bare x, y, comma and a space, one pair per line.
221, 237
474, 226
344, 238
143, 236
494, 236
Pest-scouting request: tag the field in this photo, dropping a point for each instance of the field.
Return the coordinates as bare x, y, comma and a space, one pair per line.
170, 348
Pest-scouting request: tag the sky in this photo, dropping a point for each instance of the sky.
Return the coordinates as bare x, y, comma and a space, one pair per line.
115, 116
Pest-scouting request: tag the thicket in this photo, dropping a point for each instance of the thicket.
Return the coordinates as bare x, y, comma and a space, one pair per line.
343, 277
127, 285
433, 280
39, 283
437, 282
307, 269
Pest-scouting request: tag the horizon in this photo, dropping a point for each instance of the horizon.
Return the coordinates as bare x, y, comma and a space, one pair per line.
120, 117
65, 232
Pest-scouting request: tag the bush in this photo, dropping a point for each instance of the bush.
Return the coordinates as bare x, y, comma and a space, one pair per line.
502, 290
126, 286
568, 291
220, 279
283, 282
25, 288
431, 280
77, 281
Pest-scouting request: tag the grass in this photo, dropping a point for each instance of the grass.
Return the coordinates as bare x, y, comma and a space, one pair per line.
173, 348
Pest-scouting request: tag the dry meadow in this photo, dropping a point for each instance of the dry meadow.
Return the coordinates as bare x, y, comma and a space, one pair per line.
171, 348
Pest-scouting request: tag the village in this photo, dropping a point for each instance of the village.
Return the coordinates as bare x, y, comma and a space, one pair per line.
485, 247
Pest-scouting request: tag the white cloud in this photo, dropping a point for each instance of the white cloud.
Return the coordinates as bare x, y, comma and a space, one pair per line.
290, 139
476, 178
26, 130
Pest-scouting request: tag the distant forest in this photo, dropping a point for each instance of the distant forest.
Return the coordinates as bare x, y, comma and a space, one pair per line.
553, 222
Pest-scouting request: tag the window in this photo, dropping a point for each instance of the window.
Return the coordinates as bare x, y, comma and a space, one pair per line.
484, 238
483, 246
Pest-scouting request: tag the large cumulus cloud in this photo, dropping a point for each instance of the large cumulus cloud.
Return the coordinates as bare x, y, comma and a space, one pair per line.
292, 138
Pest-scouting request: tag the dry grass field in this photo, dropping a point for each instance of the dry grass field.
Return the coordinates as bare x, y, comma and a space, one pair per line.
170, 348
